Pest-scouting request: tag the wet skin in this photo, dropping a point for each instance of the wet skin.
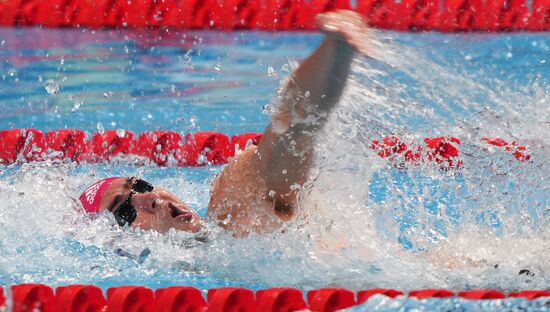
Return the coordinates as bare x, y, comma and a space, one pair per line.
158, 210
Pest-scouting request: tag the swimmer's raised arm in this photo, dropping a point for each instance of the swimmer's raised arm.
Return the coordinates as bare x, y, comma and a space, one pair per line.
257, 189
305, 102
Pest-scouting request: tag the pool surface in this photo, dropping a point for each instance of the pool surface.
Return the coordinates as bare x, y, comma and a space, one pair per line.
368, 222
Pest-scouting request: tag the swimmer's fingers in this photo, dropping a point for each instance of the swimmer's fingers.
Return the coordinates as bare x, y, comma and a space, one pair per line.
348, 25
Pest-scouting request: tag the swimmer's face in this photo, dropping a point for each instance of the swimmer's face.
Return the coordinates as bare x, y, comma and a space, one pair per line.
157, 209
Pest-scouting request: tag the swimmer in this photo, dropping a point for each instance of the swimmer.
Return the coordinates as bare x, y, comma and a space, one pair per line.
257, 191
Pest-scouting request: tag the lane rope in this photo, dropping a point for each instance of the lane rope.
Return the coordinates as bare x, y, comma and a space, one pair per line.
170, 148
273, 15
28, 297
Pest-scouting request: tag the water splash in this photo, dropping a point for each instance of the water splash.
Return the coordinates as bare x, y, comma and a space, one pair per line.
478, 226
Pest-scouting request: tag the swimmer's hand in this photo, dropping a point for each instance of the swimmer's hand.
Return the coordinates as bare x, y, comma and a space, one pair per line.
346, 25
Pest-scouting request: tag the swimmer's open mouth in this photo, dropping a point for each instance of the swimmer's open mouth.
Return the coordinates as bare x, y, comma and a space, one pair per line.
180, 213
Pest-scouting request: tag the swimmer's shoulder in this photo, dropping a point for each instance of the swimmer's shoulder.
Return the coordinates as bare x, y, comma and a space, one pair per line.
239, 198
236, 185
240, 169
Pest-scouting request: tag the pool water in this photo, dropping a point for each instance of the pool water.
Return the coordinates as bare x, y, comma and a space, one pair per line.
365, 223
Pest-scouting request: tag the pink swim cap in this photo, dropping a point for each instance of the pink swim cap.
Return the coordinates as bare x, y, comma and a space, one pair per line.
91, 197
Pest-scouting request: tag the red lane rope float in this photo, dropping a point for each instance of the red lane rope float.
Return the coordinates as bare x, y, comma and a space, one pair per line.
88, 298
180, 299
32, 297
519, 152
231, 299
443, 15
79, 298
530, 294
130, 299
330, 299
364, 295
279, 299
431, 293
166, 148
479, 294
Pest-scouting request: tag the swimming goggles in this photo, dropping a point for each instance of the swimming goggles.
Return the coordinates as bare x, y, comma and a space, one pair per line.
126, 213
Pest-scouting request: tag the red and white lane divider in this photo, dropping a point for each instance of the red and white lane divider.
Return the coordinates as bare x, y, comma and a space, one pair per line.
79, 298
443, 15
169, 148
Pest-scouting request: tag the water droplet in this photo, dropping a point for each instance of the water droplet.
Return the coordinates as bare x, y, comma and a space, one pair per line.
271, 72
100, 128
51, 86
307, 94
121, 133
218, 67
76, 106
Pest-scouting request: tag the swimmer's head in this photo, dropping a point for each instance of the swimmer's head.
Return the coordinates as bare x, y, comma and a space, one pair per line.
137, 203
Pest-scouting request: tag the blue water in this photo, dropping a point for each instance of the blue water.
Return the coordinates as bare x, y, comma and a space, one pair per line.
142, 80
418, 219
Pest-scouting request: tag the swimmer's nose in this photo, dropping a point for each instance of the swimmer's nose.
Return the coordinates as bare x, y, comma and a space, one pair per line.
147, 201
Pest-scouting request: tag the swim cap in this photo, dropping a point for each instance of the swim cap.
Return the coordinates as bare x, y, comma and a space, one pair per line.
91, 197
